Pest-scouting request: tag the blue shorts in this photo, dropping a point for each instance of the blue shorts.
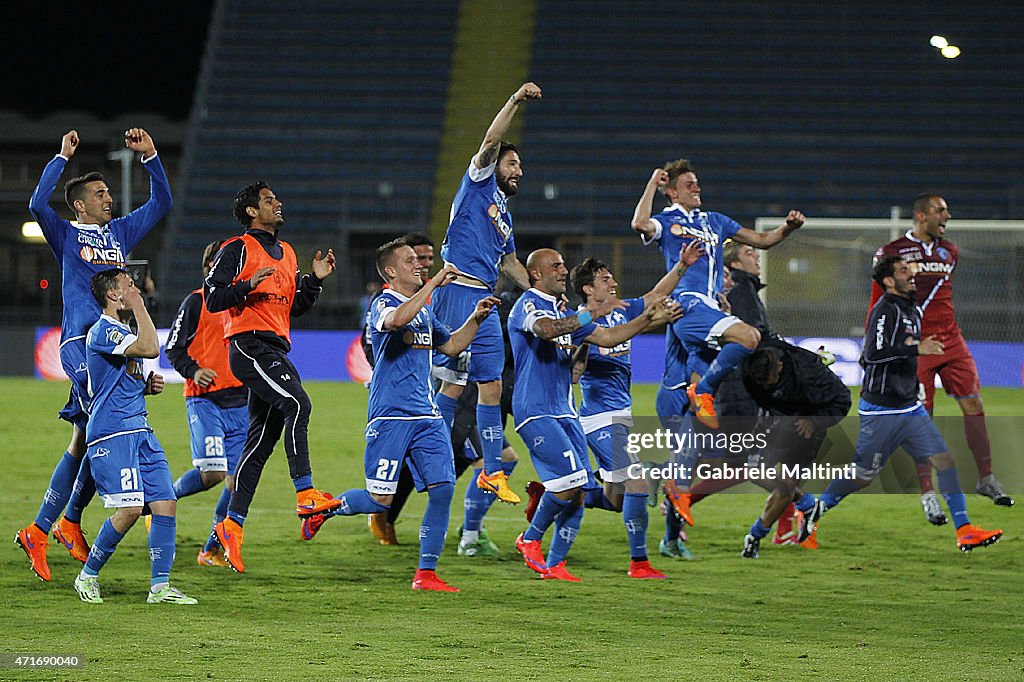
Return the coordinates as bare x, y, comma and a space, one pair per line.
671, 404
72, 359
130, 470
425, 445
484, 360
701, 325
558, 450
217, 434
882, 431
609, 446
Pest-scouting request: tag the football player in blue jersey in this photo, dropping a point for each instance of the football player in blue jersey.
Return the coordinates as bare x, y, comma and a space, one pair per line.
606, 411
404, 425
96, 241
480, 244
543, 336
716, 342
128, 463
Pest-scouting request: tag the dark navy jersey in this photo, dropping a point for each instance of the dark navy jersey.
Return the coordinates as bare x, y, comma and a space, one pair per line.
401, 386
84, 250
677, 226
116, 382
890, 353
479, 227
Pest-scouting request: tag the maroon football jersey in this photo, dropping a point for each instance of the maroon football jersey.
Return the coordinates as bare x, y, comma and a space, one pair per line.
933, 266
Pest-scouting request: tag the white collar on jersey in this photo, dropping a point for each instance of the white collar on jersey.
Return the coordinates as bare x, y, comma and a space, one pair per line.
546, 297
927, 246
119, 323
397, 295
682, 209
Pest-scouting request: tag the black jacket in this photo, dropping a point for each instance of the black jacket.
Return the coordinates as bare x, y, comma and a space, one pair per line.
890, 353
745, 302
806, 388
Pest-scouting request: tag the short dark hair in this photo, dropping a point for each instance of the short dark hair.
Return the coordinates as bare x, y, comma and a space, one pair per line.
506, 147
761, 364
923, 201
415, 239
208, 255
74, 189
384, 254
885, 268
248, 197
583, 275
102, 282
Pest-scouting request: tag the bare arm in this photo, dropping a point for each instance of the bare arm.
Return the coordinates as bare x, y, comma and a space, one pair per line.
766, 240
688, 255
642, 221
488, 152
404, 313
579, 362
146, 345
549, 328
514, 270
461, 337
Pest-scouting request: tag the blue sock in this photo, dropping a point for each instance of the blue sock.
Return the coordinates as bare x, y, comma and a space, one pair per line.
475, 504
727, 360
303, 482
687, 457
81, 492
236, 517
759, 530
102, 547
358, 501
435, 524
548, 508
836, 491
805, 502
219, 514
161, 547
190, 483
634, 515
567, 526
673, 524
949, 486
596, 499
57, 493
447, 406
488, 421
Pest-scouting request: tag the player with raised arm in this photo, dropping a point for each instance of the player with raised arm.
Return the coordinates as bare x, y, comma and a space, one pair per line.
891, 415
215, 404
543, 336
606, 410
933, 259
404, 425
705, 330
128, 463
97, 241
480, 244
255, 277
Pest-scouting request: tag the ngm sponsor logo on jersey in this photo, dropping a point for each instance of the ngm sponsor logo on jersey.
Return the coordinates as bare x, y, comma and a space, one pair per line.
494, 212
417, 339
702, 230
931, 266
621, 349
102, 256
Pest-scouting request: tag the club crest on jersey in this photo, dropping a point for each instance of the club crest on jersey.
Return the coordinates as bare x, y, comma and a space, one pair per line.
115, 336
942, 253
97, 256
494, 212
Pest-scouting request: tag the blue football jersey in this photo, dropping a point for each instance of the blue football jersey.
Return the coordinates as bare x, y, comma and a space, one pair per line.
116, 382
605, 384
675, 227
543, 369
400, 387
479, 227
84, 250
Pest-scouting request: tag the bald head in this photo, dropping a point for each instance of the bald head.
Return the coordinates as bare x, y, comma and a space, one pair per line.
547, 271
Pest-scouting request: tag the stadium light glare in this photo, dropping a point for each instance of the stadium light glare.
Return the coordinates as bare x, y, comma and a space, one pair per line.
31, 230
939, 42
950, 52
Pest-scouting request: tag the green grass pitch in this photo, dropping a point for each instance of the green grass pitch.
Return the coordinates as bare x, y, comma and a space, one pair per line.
887, 597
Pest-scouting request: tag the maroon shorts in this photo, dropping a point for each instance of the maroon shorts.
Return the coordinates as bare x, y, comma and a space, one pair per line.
956, 370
